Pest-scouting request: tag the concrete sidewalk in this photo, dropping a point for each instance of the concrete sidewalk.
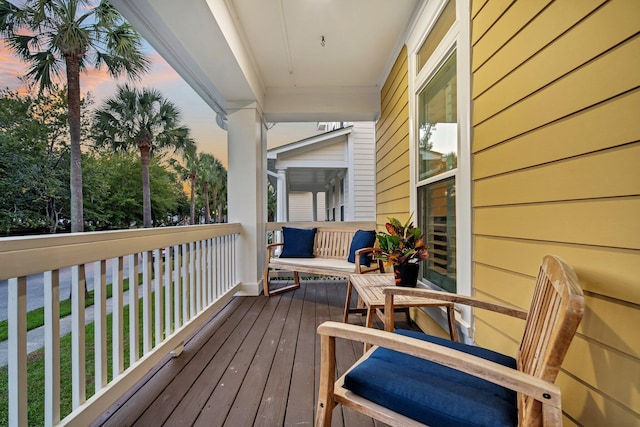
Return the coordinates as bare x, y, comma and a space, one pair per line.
35, 337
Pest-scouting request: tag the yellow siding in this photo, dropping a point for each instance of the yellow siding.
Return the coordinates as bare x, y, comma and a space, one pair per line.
556, 169
392, 145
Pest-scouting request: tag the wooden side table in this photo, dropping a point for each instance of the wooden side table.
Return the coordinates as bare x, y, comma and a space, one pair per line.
371, 299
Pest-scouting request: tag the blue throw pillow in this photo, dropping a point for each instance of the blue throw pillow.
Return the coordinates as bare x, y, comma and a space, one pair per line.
298, 242
362, 239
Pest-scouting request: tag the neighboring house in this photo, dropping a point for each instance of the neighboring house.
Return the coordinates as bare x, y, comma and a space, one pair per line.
544, 96
316, 178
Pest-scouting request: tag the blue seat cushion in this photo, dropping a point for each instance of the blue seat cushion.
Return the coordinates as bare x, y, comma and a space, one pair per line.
362, 239
431, 393
298, 242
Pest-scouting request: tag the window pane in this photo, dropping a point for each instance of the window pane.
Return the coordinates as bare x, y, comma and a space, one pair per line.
438, 127
442, 25
437, 216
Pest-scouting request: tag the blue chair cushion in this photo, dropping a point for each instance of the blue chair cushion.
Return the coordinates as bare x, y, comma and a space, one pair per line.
361, 239
434, 394
298, 242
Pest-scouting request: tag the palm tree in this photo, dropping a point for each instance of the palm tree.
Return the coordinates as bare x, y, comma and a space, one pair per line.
53, 36
145, 119
188, 171
219, 189
214, 179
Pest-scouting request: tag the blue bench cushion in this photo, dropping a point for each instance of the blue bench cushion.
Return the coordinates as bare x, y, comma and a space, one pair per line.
434, 394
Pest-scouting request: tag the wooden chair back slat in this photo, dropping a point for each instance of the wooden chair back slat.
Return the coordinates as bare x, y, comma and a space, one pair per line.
556, 310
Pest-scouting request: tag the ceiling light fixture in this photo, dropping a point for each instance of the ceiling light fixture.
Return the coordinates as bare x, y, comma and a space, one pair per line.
322, 43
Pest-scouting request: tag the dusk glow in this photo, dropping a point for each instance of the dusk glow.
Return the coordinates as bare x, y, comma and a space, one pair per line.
196, 114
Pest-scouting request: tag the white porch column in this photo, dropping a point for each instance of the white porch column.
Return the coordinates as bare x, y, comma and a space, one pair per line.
247, 187
282, 197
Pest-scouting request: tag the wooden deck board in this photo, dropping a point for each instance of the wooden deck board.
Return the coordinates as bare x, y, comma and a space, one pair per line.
255, 363
272, 407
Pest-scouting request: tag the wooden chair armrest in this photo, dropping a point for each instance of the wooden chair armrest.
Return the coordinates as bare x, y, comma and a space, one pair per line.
507, 309
541, 390
377, 264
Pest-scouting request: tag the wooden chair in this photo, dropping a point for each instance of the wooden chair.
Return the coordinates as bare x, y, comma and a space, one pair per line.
403, 380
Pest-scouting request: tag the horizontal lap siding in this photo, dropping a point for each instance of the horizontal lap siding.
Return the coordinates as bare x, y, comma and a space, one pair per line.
556, 169
392, 145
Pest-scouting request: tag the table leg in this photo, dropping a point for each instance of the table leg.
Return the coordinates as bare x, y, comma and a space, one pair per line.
451, 317
347, 302
369, 323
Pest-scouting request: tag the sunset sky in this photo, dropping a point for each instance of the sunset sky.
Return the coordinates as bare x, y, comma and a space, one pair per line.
195, 113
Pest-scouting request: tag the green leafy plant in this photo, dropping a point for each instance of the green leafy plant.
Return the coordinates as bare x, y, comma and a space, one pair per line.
401, 243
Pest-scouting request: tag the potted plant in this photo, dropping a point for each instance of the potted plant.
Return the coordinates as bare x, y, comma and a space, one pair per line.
403, 247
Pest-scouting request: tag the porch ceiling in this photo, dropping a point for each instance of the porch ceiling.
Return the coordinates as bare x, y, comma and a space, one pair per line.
235, 52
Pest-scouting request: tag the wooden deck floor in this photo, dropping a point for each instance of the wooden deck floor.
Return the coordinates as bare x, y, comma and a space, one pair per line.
256, 363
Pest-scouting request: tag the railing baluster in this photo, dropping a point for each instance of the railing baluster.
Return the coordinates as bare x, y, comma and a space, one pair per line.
78, 371
192, 280
185, 283
146, 301
117, 318
134, 335
17, 316
234, 252
225, 263
212, 287
198, 276
177, 285
51, 348
215, 267
157, 296
205, 273
166, 306
100, 322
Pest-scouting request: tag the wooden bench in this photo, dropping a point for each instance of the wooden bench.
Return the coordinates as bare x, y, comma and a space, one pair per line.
331, 249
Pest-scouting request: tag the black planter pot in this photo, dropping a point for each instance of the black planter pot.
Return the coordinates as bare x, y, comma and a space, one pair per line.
406, 274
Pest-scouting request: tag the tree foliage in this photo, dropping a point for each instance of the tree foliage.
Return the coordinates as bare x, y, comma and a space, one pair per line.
63, 37
34, 174
114, 195
146, 120
34, 161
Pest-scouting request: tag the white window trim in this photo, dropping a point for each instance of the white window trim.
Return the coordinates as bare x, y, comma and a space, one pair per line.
457, 38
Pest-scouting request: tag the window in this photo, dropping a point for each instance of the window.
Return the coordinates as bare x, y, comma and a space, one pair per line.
440, 108
437, 161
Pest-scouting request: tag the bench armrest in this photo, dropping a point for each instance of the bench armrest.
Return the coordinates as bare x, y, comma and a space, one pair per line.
270, 248
376, 264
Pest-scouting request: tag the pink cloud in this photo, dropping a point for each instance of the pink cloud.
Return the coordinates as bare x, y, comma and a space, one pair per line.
10, 69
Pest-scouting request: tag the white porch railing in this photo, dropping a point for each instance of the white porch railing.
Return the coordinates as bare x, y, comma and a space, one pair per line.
182, 285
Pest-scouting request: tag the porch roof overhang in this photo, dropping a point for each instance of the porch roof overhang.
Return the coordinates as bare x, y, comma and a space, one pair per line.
237, 52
